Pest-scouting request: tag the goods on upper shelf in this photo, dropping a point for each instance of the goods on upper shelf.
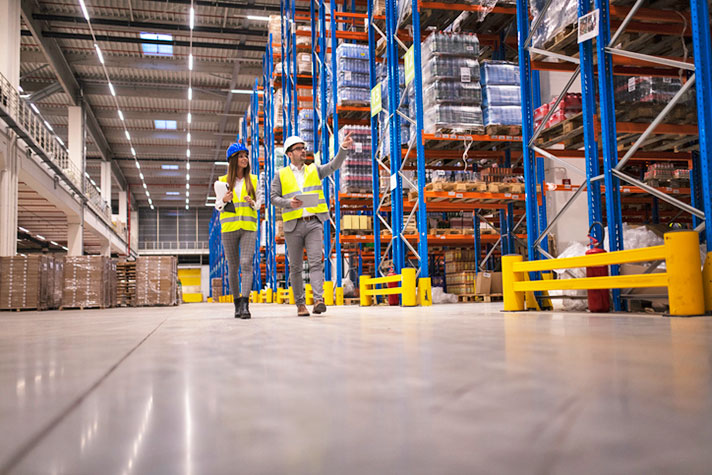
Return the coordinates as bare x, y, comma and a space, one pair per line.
501, 97
305, 125
569, 107
647, 89
452, 94
558, 17
356, 174
352, 65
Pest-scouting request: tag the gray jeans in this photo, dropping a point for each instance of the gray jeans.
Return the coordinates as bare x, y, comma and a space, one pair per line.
309, 235
239, 250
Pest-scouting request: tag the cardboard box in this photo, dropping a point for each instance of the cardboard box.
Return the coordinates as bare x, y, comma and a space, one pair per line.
483, 283
634, 269
496, 283
364, 223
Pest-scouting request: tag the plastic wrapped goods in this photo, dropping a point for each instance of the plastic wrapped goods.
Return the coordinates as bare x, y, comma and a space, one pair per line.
647, 89
503, 115
87, 282
443, 91
452, 44
350, 79
501, 96
447, 67
353, 96
27, 282
156, 280
559, 15
452, 118
353, 51
499, 73
356, 173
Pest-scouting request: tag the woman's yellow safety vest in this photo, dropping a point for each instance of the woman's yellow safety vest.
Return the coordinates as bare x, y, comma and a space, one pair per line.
244, 216
290, 189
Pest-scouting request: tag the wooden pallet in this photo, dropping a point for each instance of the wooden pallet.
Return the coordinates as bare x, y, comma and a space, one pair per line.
23, 309
487, 298
352, 301
467, 298
563, 42
568, 132
494, 130
87, 307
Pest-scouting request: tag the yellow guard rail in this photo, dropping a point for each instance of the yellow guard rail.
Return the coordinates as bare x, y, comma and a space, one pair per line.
683, 276
407, 289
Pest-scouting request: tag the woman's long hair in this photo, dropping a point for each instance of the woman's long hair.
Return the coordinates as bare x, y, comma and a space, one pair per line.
232, 175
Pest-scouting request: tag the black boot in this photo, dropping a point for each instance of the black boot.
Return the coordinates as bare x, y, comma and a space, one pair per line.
245, 308
238, 306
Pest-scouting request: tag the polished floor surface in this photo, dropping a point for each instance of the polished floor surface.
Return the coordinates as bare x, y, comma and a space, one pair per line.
452, 389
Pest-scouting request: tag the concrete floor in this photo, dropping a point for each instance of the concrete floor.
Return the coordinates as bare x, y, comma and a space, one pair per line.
452, 389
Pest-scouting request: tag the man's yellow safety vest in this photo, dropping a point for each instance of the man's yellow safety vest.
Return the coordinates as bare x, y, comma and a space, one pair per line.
290, 189
244, 216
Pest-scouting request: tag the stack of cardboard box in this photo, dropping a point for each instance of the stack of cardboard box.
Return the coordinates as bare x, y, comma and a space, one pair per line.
216, 285
156, 280
26, 282
87, 282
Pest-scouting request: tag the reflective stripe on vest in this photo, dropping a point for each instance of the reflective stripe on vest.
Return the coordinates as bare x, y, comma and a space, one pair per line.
244, 216
290, 189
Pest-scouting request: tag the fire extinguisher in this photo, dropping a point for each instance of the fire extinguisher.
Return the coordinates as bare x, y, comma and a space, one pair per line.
393, 299
599, 300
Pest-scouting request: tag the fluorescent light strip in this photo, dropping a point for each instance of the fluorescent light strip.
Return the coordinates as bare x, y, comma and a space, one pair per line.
190, 118
187, 166
188, 137
257, 18
111, 88
190, 93
121, 115
84, 10
133, 151
187, 153
98, 53
128, 136
34, 108
190, 61
192, 18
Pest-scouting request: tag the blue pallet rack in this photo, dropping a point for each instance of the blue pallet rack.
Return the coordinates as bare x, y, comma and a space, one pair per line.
612, 174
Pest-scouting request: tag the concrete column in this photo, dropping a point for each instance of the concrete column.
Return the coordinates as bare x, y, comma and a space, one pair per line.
75, 137
9, 154
106, 182
123, 206
75, 237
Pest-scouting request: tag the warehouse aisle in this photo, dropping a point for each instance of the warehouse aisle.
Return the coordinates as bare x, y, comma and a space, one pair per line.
452, 389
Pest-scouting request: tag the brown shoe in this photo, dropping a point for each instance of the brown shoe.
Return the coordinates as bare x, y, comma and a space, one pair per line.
319, 307
302, 311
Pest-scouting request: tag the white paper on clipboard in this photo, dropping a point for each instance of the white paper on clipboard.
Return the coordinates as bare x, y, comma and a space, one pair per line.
309, 200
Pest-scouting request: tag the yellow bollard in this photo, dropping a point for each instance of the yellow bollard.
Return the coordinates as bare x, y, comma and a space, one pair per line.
513, 301
684, 274
270, 296
425, 292
364, 299
339, 296
408, 297
292, 301
707, 282
255, 296
308, 294
329, 292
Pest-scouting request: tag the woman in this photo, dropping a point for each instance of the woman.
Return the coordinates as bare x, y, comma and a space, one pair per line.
238, 198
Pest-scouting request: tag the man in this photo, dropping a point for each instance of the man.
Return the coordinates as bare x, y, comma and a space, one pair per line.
303, 226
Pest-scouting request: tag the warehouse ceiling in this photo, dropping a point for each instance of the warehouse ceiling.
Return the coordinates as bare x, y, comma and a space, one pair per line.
61, 67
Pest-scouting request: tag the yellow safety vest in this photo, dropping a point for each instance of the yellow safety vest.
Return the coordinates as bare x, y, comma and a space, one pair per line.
244, 217
290, 189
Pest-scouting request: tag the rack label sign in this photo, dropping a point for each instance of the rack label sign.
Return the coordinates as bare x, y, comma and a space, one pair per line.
409, 60
588, 26
376, 105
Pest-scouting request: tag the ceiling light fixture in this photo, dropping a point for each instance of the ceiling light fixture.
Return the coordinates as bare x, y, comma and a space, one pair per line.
190, 93
187, 153
133, 151
188, 137
111, 88
187, 166
84, 9
98, 53
121, 115
128, 136
257, 18
192, 17
190, 118
190, 61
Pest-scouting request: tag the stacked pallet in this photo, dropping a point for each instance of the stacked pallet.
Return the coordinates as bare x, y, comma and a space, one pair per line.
126, 283
157, 280
56, 284
87, 282
460, 271
27, 282
216, 287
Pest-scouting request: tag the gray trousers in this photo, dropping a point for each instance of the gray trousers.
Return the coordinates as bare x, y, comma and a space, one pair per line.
309, 235
239, 250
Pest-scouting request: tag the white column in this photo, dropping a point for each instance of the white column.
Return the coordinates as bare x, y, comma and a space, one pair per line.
75, 132
9, 155
75, 237
123, 206
106, 181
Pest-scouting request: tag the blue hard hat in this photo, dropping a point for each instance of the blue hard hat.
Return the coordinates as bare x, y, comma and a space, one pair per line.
235, 148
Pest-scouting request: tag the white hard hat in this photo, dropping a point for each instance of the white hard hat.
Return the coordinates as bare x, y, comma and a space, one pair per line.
293, 140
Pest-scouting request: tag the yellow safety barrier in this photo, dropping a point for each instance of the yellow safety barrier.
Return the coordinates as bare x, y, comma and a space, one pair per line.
683, 276
308, 294
407, 288
255, 297
285, 296
425, 292
328, 293
707, 281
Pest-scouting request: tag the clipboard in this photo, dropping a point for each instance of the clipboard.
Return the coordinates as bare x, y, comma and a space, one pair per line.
229, 206
309, 200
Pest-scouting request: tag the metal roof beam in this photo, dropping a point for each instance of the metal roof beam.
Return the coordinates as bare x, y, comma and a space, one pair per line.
152, 63
141, 26
234, 46
45, 92
166, 114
